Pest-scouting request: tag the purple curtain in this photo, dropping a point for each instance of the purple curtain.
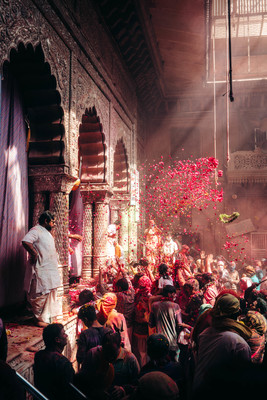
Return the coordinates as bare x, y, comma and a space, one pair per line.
13, 193
76, 226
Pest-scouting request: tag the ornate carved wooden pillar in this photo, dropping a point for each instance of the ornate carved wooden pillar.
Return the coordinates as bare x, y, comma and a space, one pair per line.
124, 229
87, 234
101, 221
39, 206
56, 181
133, 245
59, 206
114, 211
101, 195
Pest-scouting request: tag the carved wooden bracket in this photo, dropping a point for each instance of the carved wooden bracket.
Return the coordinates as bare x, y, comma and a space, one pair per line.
52, 178
97, 192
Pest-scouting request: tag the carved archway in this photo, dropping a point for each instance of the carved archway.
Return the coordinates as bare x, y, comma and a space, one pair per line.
121, 168
41, 101
92, 148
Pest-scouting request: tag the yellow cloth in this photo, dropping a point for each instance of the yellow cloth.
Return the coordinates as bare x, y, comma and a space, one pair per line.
118, 250
107, 303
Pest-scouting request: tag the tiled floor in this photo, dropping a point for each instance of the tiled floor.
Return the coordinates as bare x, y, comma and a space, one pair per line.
21, 336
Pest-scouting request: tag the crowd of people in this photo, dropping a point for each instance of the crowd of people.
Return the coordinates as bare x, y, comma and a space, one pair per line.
186, 328
181, 333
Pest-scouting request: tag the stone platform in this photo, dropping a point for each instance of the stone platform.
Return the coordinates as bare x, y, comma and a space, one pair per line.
24, 337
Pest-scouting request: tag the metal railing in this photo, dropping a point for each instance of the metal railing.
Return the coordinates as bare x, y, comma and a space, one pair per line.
30, 388
76, 394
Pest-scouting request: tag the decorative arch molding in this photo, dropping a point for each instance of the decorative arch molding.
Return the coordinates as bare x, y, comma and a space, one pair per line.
121, 168
22, 22
41, 101
92, 148
92, 103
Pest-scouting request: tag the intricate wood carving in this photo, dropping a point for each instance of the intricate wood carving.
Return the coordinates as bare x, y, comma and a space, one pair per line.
248, 166
52, 178
88, 94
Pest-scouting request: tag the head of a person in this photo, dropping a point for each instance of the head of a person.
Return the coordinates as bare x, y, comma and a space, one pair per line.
151, 223
245, 282
250, 271
255, 320
191, 260
258, 265
261, 306
107, 303
118, 224
47, 220
54, 336
207, 277
163, 269
86, 296
144, 283
102, 288
111, 344
220, 265
185, 249
143, 262
156, 386
232, 266
122, 285
169, 291
136, 279
203, 308
191, 286
135, 266
252, 299
180, 238
87, 314
168, 237
226, 306
157, 346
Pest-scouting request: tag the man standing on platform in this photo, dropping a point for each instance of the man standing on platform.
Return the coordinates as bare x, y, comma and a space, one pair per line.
153, 243
111, 264
42, 276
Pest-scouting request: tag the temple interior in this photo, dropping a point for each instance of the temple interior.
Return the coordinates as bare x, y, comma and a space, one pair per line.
128, 111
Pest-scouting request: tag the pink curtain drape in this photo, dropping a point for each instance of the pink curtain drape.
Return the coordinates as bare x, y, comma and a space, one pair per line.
13, 193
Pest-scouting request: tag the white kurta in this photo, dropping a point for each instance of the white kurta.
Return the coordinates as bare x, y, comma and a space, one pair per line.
46, 266
169, 248
110, 249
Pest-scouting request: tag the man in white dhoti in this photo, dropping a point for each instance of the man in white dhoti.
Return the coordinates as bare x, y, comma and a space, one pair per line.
111, 264
42, 276
153, 244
